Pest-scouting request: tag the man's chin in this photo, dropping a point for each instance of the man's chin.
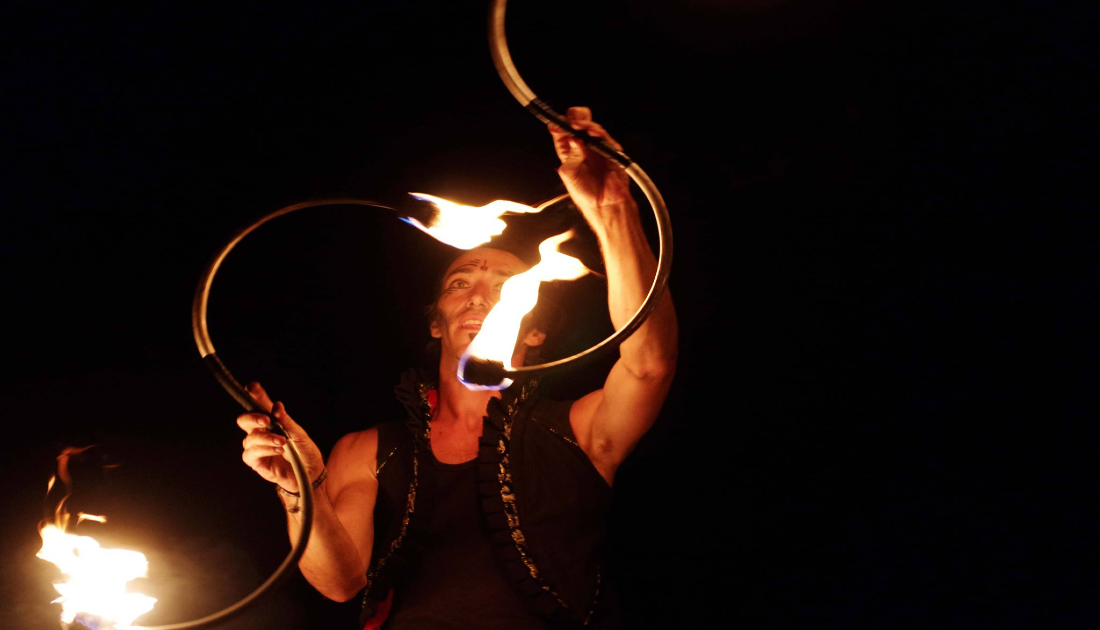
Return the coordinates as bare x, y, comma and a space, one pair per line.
458, 348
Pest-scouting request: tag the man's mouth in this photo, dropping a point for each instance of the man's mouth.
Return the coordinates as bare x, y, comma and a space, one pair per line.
471, 324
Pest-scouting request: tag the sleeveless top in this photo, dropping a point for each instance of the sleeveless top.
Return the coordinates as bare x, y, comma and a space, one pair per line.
459, 583
540, 504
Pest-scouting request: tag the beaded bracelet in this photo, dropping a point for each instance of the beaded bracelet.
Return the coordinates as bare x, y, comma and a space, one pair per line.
316, 484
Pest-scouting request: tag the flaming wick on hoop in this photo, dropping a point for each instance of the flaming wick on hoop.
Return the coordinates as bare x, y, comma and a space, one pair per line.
466, 227
496, 340
93, 591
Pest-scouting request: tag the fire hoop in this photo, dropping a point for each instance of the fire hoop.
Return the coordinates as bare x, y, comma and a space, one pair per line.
238, 392
482, 371
474, 370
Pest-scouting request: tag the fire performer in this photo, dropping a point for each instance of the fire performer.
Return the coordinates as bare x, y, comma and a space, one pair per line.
485, 509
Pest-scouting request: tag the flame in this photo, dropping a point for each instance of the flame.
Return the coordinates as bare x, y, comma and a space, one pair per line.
95, 578
466, 227
496, 341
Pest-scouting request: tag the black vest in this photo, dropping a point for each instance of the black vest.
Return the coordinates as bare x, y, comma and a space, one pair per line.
544, 502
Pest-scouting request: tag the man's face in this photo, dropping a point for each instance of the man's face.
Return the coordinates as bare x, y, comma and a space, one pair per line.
470, 289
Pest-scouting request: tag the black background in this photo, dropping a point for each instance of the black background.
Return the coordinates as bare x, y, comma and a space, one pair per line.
880, 417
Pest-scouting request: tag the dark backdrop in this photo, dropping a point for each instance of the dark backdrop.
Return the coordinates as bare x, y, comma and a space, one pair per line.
880, 414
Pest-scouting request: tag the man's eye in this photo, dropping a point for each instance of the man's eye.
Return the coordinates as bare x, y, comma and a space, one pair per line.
459, 284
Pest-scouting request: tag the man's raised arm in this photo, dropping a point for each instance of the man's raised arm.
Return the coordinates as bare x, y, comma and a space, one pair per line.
609, 422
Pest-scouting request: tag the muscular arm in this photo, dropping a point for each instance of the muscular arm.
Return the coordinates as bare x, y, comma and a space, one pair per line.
339, 549
609, 422
338, 553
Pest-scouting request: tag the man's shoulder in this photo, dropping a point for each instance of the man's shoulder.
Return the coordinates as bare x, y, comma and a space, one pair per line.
357, 449
359, 438
553, 415
362, 448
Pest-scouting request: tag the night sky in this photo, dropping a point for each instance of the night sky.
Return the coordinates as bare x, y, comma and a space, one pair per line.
880, 417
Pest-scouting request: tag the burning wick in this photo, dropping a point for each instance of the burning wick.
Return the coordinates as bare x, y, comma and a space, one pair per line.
466, 227
496, 341
95, 578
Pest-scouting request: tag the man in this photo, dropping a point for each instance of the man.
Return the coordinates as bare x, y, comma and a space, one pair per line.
484, 509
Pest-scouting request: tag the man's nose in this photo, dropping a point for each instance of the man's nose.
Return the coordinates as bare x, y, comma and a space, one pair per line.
480, 295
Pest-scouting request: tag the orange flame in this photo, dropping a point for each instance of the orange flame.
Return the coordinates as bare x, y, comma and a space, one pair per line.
496, 341
95, 578
466, 227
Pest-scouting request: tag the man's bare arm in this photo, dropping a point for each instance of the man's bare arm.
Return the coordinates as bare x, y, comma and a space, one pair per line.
338, 553
609, 422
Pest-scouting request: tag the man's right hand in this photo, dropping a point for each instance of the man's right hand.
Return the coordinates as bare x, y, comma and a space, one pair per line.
265, 452
592, 180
